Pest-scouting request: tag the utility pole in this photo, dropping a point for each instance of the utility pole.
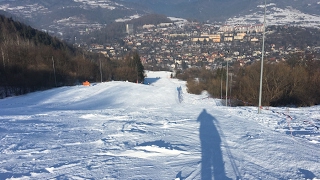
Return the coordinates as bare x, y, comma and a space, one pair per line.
221, 83
262, 56
227, 84
230, 88
100, 69
137, 73
54, 72
4, 64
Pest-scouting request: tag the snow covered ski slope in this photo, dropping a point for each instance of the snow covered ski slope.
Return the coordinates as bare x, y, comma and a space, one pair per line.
121, 130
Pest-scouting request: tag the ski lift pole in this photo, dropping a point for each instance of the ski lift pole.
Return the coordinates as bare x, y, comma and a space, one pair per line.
262, 56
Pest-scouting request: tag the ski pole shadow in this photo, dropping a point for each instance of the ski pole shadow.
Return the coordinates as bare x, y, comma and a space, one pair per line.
212, 164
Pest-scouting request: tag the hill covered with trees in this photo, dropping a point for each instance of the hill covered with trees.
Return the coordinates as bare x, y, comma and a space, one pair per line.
32, 60
116, 31
295, 81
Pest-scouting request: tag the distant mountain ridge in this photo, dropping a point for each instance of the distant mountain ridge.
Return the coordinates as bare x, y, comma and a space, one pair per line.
63, 17
220, 10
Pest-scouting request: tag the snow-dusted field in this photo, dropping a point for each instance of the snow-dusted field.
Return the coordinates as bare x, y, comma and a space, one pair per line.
121, 130
278, 16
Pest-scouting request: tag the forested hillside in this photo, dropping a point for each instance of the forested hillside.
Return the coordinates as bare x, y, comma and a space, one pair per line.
295, 81
115, 32
32, 60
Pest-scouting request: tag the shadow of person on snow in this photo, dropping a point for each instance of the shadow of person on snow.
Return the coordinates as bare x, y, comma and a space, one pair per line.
212, 164
307, 174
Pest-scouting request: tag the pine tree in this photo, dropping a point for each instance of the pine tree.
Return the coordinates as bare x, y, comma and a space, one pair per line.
139, 67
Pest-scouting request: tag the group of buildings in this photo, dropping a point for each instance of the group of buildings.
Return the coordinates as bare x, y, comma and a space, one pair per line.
193, 44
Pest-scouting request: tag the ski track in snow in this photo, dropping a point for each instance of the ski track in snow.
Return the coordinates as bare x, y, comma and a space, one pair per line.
121, 130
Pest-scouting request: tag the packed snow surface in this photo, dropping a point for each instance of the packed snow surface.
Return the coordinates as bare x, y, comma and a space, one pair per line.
122, 130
